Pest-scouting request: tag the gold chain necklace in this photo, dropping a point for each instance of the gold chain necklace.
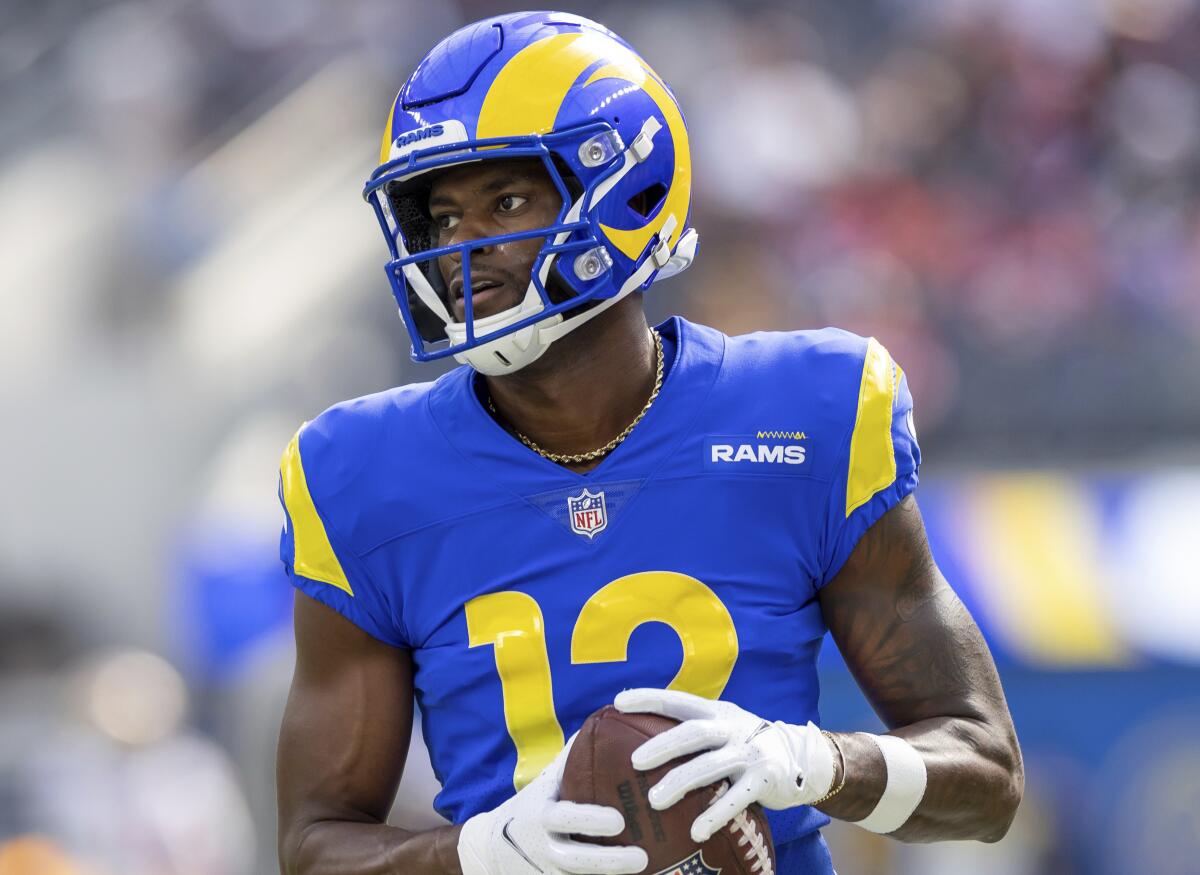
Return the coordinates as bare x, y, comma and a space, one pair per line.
577, 458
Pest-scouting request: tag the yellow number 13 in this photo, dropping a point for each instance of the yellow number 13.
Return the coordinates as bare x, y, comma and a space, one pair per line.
512, 623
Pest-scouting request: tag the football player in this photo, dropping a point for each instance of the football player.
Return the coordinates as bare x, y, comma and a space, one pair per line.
592, 510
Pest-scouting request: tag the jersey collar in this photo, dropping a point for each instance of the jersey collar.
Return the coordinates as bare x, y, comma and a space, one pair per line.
498, 456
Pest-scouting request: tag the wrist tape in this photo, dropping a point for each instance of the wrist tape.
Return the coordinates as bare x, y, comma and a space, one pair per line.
906, 779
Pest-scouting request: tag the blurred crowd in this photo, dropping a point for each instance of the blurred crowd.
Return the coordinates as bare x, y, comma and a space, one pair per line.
1003, 191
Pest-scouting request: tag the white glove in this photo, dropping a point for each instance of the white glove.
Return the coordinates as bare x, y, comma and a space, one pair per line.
778, 765
530, 833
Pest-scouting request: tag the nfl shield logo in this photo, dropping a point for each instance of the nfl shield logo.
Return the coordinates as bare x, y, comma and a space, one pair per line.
693, 865
588, 514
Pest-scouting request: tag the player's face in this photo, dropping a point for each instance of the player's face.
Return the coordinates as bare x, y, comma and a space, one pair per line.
486, 200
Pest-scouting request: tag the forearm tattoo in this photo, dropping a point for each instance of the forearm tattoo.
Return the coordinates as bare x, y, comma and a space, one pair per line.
922, 663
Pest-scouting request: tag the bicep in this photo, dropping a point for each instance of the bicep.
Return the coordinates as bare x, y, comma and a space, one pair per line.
347, 724
907, 638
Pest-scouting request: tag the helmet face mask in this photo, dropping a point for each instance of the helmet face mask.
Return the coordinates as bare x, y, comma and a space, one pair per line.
414, 229
589, 257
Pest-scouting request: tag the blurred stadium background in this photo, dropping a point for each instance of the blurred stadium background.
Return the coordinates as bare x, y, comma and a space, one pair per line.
1003, 191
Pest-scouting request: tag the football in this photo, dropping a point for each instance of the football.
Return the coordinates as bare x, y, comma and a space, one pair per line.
599, 770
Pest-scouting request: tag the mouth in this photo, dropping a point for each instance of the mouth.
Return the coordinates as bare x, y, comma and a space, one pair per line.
478, 288
485, 294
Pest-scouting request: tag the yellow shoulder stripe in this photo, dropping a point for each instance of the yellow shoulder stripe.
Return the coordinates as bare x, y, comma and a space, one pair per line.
314, 556
872, 460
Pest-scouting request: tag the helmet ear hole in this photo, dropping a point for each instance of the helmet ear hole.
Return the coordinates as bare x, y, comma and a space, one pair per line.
648, 199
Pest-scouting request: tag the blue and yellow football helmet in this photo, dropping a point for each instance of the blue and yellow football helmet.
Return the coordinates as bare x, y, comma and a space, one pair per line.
570, 92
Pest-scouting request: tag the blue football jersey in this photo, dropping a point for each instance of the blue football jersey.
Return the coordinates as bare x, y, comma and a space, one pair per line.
690, 558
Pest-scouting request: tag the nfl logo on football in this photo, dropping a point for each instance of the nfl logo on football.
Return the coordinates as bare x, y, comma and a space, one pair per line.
588, 514
693, 865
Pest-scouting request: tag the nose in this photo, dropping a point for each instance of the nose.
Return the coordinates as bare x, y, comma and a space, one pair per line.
470, 228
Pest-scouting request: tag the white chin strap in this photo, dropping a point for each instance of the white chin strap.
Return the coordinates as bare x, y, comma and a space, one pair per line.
508, 354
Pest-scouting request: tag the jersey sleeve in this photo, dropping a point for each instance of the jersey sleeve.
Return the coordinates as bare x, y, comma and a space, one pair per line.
316, 558
878, 462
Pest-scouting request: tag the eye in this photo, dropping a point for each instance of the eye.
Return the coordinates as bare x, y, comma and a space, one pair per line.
511, 202
445, 223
